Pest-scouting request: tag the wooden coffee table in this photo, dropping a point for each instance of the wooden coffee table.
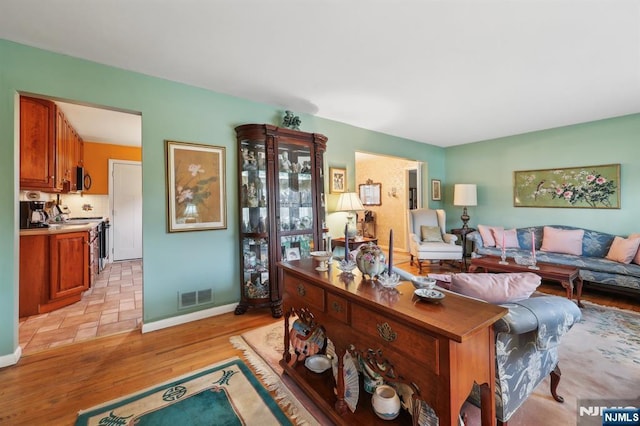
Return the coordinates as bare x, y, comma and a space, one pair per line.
565, 274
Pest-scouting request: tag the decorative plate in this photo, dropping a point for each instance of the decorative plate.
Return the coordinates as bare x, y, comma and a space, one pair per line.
318, 363
429, 295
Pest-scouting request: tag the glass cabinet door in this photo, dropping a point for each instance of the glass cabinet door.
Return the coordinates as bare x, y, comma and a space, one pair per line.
295, 201
253, 204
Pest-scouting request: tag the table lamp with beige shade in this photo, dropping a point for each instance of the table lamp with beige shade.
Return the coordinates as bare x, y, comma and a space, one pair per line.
465, 195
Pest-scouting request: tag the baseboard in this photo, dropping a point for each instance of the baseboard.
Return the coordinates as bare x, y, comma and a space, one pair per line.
183, 319
11, 359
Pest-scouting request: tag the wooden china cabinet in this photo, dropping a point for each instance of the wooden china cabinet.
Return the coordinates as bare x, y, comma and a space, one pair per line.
282, 207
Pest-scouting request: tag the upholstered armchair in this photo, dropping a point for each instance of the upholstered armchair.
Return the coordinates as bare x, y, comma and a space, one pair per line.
527, 343
428, 239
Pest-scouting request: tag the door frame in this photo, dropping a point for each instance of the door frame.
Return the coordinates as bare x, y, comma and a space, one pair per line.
112, 162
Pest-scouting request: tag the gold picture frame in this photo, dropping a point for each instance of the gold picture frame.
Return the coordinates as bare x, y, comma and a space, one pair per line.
196, 186
590, 187
337, 180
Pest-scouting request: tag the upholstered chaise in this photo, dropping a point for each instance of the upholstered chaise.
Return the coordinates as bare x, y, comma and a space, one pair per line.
443, 248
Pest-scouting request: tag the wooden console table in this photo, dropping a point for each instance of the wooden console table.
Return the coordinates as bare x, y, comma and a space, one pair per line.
442, 348
565, 274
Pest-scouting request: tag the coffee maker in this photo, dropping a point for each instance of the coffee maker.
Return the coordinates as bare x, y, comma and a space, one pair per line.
33, 214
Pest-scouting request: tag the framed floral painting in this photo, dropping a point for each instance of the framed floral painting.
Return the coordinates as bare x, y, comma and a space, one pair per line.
196, 187
593, 187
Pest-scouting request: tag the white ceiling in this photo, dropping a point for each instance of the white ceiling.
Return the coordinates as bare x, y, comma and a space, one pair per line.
103, 125
441, 72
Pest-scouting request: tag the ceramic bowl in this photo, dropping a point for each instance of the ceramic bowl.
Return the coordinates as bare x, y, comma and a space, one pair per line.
318, 363
424, 282
429, 295
321, 256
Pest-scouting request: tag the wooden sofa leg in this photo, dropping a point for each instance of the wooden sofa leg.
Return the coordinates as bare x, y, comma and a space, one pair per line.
555, 380
419, 266
411, 260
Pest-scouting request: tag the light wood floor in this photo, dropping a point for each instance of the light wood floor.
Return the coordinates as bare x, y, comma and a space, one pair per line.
50, 387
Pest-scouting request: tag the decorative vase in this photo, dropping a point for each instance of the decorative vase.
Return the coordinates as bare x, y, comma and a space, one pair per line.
370, 260
385, 402
370, 379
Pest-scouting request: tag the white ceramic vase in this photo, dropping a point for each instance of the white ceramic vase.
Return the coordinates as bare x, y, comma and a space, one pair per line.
386, 403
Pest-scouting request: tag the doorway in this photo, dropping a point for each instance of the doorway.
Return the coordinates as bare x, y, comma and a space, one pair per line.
114, 302
398, 177
125, 195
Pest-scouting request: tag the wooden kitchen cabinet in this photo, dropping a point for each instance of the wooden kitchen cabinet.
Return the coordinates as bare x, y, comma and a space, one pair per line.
69, 263
50, 148
54, 271
37, 144
34, 273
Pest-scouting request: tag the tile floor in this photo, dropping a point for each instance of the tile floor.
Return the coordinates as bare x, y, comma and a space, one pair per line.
113, 305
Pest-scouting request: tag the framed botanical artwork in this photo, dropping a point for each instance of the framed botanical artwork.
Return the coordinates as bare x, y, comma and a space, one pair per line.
338, 180
436, 190
196, 187
591, 187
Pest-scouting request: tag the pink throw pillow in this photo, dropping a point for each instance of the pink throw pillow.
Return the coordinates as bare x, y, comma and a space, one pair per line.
623, 250
496, 288
636, 259
510, 238
486, 232
568, 241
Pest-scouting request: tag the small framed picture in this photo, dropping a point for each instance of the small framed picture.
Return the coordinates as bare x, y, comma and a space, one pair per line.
436, 193
293, 253
338, 179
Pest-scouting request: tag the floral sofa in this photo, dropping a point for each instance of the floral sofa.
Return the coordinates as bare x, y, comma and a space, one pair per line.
527, 338
594, 267
527, 343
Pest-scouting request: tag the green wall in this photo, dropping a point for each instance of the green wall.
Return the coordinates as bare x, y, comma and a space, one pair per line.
178, 261
490, 164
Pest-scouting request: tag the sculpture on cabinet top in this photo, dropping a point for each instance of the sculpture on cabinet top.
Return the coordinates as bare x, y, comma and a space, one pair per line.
291, 121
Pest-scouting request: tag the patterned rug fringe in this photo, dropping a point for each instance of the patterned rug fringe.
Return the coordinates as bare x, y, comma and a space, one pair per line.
272, 381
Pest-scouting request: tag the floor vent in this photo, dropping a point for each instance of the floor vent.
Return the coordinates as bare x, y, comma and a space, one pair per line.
189, 299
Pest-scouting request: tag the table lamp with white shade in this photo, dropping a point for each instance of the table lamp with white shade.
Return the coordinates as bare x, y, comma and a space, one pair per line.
350, 202
465, 195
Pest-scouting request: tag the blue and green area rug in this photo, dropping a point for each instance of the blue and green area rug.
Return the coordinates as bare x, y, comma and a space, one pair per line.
227, 393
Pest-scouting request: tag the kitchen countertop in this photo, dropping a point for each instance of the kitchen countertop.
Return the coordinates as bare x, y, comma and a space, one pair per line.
60, 229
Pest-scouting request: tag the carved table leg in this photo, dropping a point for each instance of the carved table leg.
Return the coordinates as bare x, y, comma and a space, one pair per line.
555, 380
579, 292
568, 285
276, 309
487, 405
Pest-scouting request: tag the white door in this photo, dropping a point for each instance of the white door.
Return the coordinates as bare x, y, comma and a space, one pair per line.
126, 213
